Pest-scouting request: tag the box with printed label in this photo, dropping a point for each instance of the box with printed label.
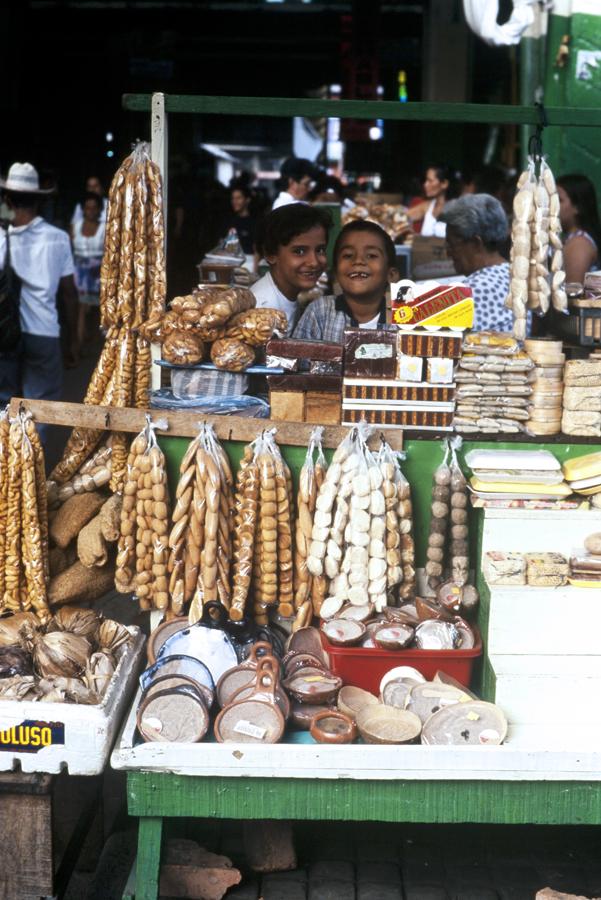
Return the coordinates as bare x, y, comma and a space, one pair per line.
40, 736
370, 353
445, 305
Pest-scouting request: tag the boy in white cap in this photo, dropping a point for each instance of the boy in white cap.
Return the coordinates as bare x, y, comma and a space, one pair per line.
41, 256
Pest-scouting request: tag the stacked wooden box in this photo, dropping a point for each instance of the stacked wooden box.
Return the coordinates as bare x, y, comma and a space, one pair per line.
417, 389
309, 389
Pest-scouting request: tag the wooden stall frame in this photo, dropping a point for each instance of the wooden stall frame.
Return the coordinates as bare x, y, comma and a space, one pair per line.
186, 424
153, 796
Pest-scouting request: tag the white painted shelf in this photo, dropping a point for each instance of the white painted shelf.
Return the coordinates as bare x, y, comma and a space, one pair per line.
568, 755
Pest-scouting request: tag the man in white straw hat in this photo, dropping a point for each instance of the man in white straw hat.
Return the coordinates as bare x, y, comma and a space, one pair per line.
40, 254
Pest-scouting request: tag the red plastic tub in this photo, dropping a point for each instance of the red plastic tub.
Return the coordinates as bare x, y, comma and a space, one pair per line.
364, 667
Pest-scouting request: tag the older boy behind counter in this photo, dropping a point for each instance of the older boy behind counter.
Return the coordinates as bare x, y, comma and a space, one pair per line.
364, 266
294, 241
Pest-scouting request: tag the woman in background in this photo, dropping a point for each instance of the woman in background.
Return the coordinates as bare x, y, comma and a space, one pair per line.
477, 229
88, 245
579, 216
439, 186
242, 218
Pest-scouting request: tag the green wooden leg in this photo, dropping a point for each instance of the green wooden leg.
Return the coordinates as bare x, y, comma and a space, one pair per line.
150, 829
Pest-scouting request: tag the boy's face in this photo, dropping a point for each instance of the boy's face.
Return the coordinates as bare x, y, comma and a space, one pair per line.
297, 266
362, 267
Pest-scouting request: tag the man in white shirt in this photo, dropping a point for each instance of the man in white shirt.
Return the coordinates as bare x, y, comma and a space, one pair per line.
296, 179
41, 256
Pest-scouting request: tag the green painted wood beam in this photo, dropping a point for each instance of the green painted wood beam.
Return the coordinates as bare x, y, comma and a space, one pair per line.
365, 109
502, 802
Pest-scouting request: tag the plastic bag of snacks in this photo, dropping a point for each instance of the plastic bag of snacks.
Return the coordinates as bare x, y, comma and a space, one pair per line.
142, 550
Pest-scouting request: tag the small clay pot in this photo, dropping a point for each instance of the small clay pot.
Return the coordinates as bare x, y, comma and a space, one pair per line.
333, 727
343, 632
394, 635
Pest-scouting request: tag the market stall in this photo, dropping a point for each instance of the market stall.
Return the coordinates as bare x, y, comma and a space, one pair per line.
319, 559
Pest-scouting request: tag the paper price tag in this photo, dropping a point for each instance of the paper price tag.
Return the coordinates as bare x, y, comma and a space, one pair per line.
250, 730
373, 351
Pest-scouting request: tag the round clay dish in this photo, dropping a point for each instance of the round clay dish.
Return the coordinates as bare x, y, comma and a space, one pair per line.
231, 682
343, 632
307, 640
401, 673
250, 722
388, 725
167, 682
254, 690
352, 699
427, 698
301, 714
319, 688
295, 660
161, 633
175, 715
472, 723
178, 664
393, 636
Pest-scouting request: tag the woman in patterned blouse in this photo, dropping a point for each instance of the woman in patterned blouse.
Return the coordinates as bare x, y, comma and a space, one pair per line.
476, 230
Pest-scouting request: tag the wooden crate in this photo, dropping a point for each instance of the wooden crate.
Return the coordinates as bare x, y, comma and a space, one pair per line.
315, 407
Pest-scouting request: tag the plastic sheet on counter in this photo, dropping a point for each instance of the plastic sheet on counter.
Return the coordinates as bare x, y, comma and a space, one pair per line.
242, 405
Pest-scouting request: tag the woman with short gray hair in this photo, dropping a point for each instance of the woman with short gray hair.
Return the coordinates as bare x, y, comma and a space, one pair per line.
477, 229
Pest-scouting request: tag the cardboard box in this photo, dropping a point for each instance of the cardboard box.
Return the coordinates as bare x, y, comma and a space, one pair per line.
429, 258
445, 305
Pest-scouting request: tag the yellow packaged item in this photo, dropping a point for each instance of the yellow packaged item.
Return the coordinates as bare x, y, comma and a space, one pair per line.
498, 339
582, 467
495, 487
584, 582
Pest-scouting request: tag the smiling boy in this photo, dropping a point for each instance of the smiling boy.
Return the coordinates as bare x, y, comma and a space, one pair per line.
364, 264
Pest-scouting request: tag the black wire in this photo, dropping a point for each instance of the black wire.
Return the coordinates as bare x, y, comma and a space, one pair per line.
535, 143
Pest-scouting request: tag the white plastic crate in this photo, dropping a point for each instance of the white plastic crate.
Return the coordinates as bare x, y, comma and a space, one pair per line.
68, 736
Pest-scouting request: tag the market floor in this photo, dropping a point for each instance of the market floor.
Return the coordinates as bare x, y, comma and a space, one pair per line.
340, 861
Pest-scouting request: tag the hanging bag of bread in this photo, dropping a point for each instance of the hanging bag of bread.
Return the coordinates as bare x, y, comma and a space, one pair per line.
311, 478
440, 508
142, 550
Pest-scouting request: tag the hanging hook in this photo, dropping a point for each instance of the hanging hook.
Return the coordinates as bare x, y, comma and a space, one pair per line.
107, 420
535, 143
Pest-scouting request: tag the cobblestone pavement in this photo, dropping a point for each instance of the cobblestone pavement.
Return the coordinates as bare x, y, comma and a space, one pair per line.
433, 862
